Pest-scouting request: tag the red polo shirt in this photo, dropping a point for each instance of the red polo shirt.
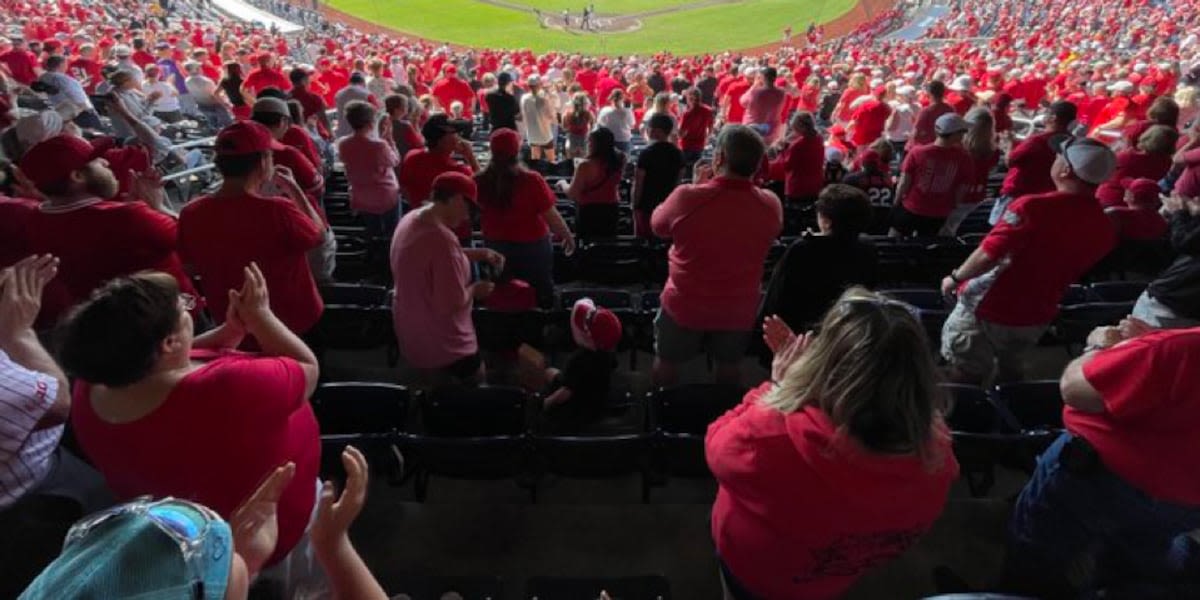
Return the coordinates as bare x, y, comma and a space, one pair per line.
221, 235
714, 278
1037, 261
869, 119
935, 175
521, 221
803, 164
1147, 432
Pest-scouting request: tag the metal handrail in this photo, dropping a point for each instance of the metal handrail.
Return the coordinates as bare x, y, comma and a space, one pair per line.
189, 172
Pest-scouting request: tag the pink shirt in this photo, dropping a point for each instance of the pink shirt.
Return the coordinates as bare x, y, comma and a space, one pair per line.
715, 274
371, 168
763, 105
431, 312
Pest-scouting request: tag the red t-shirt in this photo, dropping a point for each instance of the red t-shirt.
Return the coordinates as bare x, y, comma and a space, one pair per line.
220, 235
1131, 164
21, 65
694, 126
1029, 167
1138, 223
869, 119
803, 164
1037, 261
260, 79
734, 92
1147, 432
417, 173
982, 172
798, 511
936, 174
521, 221
714, 278
95, 241
221, 430
451, 89
923, 131
297, 137
1188, 184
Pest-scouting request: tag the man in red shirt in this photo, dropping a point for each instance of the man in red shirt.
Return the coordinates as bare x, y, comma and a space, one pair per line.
21, 63
1120, 482
220, 234
694, 127
1029, 162
961, 99
934, 180
735, 112
1009, 288
95, 237
313, 105
265, 76
451, 88
866, 124
720, 231
923, 132
84, 68
423, 165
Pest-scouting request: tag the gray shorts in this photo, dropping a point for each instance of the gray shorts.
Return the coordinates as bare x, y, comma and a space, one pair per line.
675, 343
976, 348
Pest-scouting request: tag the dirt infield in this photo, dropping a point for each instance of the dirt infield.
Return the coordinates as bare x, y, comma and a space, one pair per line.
862, 12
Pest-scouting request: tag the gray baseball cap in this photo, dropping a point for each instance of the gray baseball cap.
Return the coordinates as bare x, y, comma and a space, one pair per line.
1090, 160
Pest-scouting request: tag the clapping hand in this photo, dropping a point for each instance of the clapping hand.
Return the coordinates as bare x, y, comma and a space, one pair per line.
21, 288
284, 178
147, 186
786, 356
776, 333
255, 523
336, 514
1132, 327
494, 258
250, 306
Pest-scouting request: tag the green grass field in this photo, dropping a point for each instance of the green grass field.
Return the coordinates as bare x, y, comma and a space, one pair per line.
688, 31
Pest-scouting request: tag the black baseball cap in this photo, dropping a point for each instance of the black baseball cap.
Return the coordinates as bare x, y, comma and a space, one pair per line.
439, 124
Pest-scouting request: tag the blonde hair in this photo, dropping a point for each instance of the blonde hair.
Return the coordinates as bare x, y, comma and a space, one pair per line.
1185, 97
980, 140
871, 371
858, 81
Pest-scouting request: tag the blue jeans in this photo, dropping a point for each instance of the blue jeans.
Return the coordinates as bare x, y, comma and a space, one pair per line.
1078, 529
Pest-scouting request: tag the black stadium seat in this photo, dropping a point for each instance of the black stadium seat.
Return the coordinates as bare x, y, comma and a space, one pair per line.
680, 417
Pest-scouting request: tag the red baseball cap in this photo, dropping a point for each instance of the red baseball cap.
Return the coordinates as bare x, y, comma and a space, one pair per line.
593, 327
455, 183
505, 143
1145, 191
57, 157
245, 137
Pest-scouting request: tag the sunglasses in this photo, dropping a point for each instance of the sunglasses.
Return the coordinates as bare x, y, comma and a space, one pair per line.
168, 516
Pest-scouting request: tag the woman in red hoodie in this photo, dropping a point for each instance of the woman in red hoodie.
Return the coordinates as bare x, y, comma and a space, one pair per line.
838, 465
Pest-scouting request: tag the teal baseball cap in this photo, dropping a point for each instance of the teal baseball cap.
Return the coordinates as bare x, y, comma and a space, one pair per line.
150, 550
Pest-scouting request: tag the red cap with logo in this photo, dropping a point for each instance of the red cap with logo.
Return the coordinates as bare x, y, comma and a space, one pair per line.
56, 158
245, 137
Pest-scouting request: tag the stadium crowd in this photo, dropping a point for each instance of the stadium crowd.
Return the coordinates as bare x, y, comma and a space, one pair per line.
474, 174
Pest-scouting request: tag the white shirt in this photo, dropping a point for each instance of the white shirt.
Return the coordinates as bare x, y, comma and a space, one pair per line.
203, 89
168, 100
619, 121
902, 123
69, 90
537, 113
26, 456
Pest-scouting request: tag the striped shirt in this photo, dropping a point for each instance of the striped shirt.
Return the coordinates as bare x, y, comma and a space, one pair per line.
25, 455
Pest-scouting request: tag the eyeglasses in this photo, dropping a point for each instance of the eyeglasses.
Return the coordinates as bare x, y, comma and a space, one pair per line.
187, 301
166, 515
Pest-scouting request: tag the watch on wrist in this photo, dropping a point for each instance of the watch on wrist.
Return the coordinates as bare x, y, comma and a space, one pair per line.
954, 276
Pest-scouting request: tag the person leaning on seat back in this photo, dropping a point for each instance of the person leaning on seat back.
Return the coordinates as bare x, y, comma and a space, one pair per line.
853, 415
176, 548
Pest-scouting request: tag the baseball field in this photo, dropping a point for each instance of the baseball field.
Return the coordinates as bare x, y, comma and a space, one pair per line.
613, 26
